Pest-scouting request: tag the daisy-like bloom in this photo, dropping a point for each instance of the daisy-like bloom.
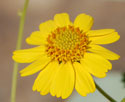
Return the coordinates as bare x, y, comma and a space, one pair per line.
67, 54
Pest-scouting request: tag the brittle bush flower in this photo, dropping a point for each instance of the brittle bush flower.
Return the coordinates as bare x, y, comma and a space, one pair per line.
67, 54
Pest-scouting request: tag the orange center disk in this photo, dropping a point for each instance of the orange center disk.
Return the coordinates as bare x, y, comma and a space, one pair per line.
66, 44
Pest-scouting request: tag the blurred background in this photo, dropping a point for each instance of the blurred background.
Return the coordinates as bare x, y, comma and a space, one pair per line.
106, 13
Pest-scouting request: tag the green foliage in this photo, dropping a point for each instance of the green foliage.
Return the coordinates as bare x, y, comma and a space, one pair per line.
123, 100
123, 79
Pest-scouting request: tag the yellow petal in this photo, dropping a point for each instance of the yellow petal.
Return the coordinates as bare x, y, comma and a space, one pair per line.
84, 22
47, 27
101, 32
37, 38
28, 55
103, 36
35, 66
62, 19
103, 52
96, 65
84, 81
63, 82
45, 78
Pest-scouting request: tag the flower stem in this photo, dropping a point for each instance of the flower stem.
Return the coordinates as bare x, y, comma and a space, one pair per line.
18, 46
104, 93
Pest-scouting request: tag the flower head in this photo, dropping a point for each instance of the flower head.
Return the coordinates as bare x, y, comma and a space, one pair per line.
67, 54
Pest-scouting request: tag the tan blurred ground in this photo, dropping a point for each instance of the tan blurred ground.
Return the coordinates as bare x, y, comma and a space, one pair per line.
107, 14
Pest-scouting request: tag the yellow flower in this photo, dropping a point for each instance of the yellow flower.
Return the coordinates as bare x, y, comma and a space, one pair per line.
67, 53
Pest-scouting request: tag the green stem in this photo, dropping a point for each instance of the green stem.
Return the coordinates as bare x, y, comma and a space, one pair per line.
104, 93
18, 46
